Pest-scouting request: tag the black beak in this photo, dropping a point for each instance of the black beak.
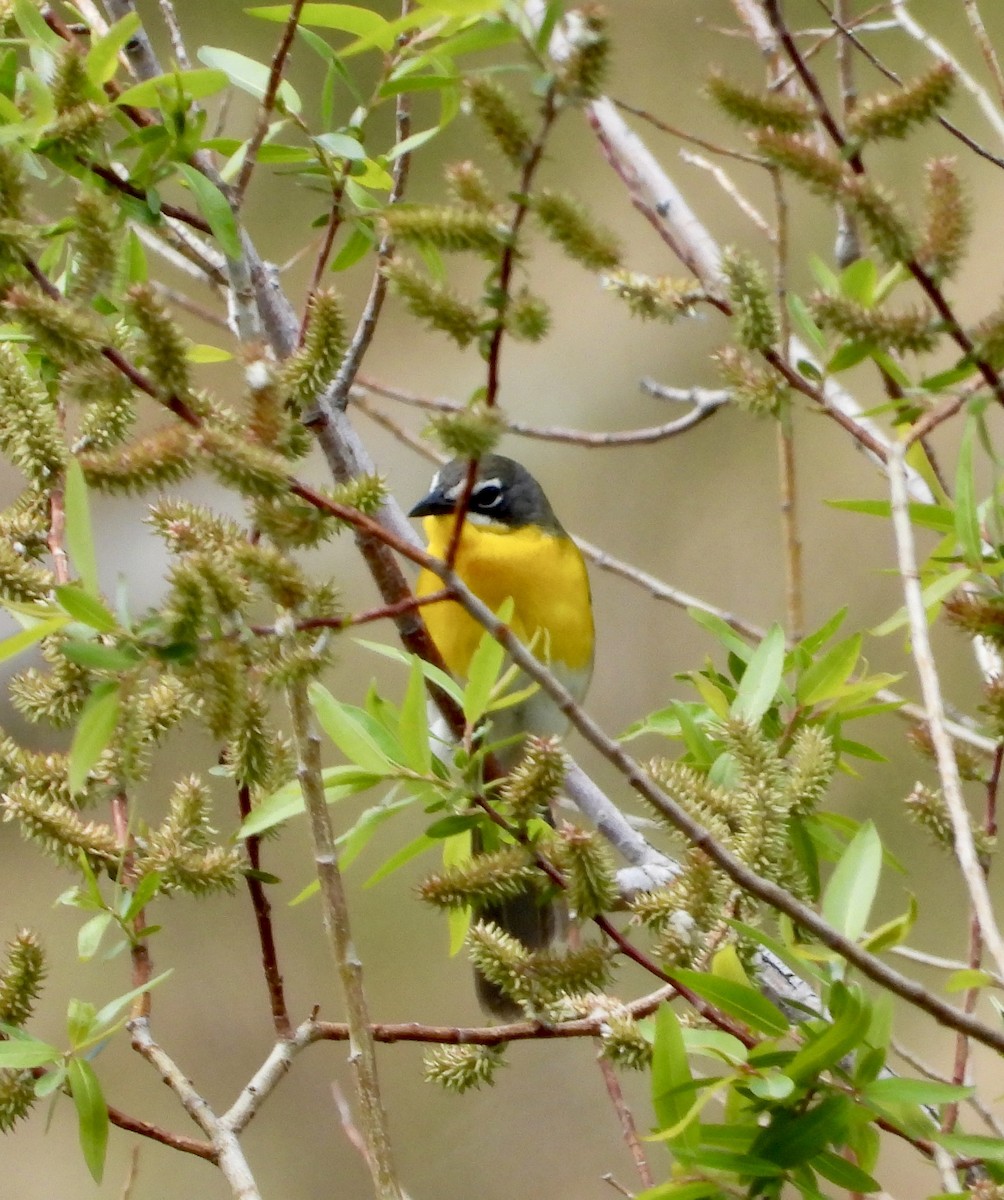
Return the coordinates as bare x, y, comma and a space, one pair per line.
433, 505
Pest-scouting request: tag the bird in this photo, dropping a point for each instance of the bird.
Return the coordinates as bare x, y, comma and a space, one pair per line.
512, 547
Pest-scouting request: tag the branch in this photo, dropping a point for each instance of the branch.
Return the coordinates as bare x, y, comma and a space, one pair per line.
229, 1156
267, 102
948, 768
337, 927
706, 401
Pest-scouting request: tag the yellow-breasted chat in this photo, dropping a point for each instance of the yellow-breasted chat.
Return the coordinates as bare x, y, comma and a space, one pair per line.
512, 548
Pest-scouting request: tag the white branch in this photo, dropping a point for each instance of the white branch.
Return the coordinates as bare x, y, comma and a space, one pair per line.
948, 768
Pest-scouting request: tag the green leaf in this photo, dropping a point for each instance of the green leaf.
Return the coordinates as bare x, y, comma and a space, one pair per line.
341, 145
80, 1018
848, 898
359, 242
146, 889
967, 517
85, 607
79, 535
805, 325
347, 733
893, 931
486, 663
354, 840
413, 849
722, 632
203, 353
26, 1054
435, 675
163, 90
215, 207
793, 1138
347, 18
715, 1043
672, 1082
34, 28
106, 1017
414, 725
248, 75
93, 733
973, 1145
933, 594
102, 59
96, 657
845, 1174
287, 801
90, 934
848, 355
859, 280
92, 1114
700, 1189
914, 1091
822, 1050
826, 675
928, 516
761, 679
17, 643
961, 981
772, 1085
737, 1000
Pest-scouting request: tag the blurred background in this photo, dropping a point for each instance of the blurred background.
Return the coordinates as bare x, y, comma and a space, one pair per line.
700, 511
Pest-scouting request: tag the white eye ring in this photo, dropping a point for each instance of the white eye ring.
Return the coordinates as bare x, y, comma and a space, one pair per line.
488, 494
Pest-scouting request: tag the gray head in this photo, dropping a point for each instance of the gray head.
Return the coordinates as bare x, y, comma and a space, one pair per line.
504, 493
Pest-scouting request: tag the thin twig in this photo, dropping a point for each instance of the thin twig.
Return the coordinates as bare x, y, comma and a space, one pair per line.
863, 49
975, 19
267, 102
705, 400
177, 1141
337, 927
507, 262
993, 117
730, 188
972, 996
170, 18
923, 277
948, 769
229, 1156
263, 922
629, 1131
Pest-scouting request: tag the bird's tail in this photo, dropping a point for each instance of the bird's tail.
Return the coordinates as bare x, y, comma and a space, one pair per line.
535, 921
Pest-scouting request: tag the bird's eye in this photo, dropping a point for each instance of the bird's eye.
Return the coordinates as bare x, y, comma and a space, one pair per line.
487, 495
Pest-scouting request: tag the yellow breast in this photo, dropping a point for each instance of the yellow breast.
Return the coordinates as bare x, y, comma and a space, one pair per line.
542, 573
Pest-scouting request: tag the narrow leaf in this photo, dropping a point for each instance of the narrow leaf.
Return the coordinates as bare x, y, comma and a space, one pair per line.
824, 677
93, 733
79, 535
248, 75
17, 643
85, 607
761, 679
967, 517
101, 62
26, 1054
215, 207
90, 934
414, 726
92, 1115
346, 732
672, 1082
848, 898
744, 1003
